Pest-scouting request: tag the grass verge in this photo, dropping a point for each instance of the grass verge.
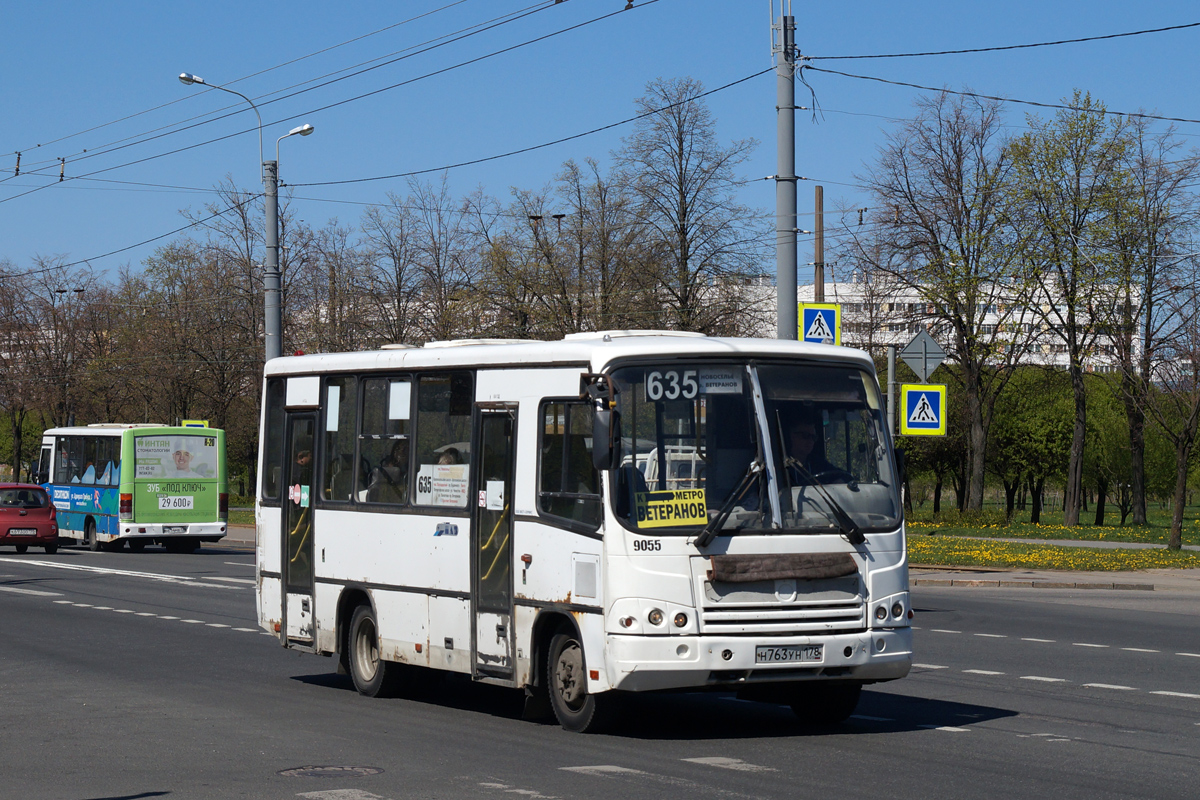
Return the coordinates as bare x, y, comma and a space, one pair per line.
241, 517
957, 551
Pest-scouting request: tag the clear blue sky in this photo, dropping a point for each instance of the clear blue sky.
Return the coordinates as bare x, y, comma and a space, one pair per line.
68, 67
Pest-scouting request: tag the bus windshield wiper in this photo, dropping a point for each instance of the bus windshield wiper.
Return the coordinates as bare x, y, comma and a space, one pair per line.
847, 523
754, 472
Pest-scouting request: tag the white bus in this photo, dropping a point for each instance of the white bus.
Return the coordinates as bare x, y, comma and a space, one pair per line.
482, 507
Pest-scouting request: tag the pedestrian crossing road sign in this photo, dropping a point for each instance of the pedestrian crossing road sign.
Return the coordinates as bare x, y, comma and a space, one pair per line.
820, 323
923, 409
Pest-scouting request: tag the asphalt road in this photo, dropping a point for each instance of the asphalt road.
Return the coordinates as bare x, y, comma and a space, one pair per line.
136, 676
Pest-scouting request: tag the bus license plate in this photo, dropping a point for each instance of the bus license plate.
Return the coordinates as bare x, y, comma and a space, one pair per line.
22, 531
791, 654
167, 503
174, 530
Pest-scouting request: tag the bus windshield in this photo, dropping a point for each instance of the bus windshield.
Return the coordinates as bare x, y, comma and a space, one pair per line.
764, 446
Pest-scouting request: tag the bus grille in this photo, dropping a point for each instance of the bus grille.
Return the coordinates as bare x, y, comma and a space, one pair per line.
783, 608
784, 620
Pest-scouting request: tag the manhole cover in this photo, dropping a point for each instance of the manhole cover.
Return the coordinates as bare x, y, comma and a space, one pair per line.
329, 772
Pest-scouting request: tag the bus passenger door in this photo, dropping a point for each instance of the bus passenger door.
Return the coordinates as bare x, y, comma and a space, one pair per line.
297, 530
491, 543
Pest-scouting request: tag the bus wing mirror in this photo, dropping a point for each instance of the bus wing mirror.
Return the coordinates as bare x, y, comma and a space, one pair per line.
901, 468
606, 439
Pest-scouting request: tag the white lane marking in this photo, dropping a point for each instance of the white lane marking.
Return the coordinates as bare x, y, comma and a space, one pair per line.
982, 672
1179, 694
950, 728
1189, 655
1044, 680
249, 581
215, 625
32, 592
82, 605
1085, 644
64, 602
1048, 641
1043, 734
866, 718
247, 630
341, 794
1140, 650
193, 621
729, 763
124, 573
942, 630
1116, 687
103, 608
929, 666
603, 769
991, 635
504, 787
123, 610
239, 564
146, 614
164, 616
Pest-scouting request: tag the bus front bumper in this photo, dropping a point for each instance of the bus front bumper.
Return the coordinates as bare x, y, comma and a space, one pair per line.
649, 663
205, 531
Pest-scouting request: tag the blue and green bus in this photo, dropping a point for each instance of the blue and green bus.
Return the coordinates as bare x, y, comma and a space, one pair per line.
141, 484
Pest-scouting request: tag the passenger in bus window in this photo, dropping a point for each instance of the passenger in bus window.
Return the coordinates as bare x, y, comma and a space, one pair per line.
450, 456
389, 481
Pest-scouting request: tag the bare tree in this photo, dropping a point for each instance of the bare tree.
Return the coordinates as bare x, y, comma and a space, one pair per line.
1155, 225
1070, 178
682, 179
941, 230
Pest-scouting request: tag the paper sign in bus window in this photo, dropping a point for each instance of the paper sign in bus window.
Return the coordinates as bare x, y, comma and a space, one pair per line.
671, 508
443, 485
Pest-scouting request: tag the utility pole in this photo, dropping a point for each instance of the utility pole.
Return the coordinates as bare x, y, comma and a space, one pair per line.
819, 244
271, 279
783, 47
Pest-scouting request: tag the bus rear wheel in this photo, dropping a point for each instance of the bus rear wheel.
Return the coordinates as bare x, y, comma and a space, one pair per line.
566, 676
823, 704
372, 676
89, 536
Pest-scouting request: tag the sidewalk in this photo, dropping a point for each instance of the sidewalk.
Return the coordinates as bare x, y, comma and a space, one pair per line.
239, 535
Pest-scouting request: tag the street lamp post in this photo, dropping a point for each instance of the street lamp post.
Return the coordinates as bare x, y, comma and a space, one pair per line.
272, 280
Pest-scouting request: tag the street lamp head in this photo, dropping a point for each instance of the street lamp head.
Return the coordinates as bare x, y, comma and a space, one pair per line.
303, 130
187, 79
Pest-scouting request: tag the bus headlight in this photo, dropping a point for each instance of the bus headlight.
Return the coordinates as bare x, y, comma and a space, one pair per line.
881, 613
680, 620
897, 609
655, 617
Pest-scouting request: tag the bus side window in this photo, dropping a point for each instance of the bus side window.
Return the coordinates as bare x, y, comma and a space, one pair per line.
443, 443
384, 442
568, 485
43, 473
341, 426
272, 473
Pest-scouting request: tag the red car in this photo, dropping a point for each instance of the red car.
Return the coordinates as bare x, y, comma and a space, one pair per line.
27, 517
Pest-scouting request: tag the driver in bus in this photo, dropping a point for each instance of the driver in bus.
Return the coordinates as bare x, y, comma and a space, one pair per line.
804, 459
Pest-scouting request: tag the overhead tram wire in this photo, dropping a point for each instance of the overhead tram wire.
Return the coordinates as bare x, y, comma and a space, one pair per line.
536, 146
468, 62
964, 93
236, 108
243, 78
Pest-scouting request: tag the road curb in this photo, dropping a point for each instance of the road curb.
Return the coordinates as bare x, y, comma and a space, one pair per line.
1031, 584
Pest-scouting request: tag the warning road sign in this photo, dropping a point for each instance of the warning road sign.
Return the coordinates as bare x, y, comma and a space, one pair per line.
924, 409
820, 323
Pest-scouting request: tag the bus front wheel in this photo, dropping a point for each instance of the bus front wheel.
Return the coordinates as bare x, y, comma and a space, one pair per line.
372, 676
566, 674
